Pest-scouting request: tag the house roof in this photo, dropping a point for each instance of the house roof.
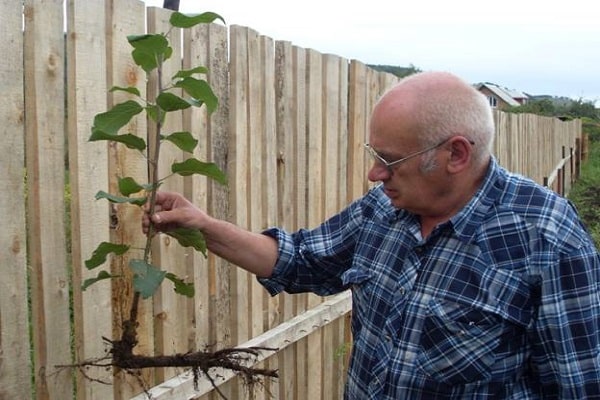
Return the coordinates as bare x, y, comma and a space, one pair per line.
506, 95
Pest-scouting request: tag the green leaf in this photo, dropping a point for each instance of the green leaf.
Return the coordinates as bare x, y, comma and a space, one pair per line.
193, 166
153, 111
102, 251
118, 199
186, 289
188, 237
110, 122
101, 276
147, 278
129, 140
130, 89
128, 186
180, 20
149, 50
170, 102
189, 72
184, 140
200, 90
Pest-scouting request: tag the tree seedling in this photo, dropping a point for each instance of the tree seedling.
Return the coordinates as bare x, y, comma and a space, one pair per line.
149, 52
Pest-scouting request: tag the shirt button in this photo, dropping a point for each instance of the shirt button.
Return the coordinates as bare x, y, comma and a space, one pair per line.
402, 291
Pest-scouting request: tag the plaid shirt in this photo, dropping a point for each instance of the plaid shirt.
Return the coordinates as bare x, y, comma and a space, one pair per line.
500, 302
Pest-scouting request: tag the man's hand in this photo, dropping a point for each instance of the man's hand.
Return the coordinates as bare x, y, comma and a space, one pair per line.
172, 211
254, 252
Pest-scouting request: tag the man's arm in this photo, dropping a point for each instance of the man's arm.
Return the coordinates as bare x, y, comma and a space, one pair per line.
254, 252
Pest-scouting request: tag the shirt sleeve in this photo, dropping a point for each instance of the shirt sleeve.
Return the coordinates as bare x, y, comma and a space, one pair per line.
315, 260
566, 351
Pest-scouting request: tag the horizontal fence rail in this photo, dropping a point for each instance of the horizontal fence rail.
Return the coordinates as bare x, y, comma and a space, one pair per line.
289, 132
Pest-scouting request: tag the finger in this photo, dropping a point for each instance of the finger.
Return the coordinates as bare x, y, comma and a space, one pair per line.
158, 217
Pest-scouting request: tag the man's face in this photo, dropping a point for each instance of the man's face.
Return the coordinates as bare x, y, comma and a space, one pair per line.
412, 174
412, 183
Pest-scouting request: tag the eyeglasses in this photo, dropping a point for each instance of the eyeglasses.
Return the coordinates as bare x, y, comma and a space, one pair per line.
390, 164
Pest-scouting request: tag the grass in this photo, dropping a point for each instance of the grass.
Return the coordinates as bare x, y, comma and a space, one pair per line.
586, 192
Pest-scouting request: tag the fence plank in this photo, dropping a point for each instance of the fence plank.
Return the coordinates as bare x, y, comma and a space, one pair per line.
210, 46
86, 83
271, 316
315, 198
45, 155
127, 17
286, 113
332, 161
181, 387
239, 168
357, 130
334, 173
255, 149
15, 380
172, 321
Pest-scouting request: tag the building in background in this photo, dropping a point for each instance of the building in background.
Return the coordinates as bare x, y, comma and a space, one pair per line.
500, 97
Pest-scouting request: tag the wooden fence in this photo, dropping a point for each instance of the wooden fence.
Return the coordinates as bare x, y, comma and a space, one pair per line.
289, 133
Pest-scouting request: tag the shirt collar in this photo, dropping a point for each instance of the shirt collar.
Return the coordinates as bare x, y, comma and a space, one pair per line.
469, 219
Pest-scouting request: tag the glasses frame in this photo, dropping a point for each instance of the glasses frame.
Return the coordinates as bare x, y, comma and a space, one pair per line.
389, 164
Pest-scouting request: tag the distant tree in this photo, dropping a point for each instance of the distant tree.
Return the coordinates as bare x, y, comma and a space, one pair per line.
563, 109
580, 109
540, 107
592, 128
400, 72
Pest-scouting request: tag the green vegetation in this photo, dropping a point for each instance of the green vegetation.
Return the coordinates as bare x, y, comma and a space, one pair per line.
149, 52
586, 192
400, 72
558, 107
592, 128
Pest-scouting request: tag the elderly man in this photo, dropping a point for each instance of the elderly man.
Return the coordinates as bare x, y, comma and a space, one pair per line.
468, 282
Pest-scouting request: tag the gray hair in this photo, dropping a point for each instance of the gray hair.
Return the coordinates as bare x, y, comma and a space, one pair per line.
447, 106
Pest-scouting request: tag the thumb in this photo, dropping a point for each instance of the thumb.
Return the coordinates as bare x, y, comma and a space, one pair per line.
166, 217
158, 218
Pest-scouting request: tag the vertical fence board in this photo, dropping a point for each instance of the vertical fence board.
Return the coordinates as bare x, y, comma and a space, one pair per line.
15, 380
334, 177
271, 318
255, 149
202, 271
315, 198
239, 168
86, 84
172, 320
127, 17
271, 201
287, 187
332, 134
357, 130
220, 317
301, 170
45, 156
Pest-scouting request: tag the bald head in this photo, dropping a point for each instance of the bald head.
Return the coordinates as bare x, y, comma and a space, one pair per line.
437, 105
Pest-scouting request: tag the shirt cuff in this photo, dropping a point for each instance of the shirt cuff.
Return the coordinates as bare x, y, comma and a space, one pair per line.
277, 282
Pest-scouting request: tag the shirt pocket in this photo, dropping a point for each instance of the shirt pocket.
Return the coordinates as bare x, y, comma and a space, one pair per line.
458, 342
359, 281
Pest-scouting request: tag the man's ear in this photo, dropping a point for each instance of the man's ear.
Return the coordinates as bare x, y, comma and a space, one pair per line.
461, 152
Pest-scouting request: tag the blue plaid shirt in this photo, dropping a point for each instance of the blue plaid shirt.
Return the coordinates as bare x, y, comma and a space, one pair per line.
500, 302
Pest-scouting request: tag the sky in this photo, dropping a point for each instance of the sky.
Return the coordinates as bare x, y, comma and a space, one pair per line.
538, 47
